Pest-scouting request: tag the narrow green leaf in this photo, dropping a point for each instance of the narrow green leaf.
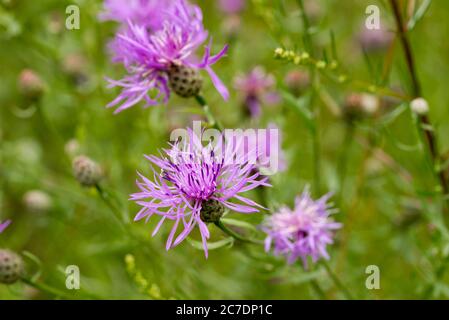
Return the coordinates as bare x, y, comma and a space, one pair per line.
238, 223
227, 242
419, 14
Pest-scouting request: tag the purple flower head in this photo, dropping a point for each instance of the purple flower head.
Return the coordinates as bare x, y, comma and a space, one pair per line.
257, 87
148, 13
302, 232
4, 225
193, 178
231, 6
150, 56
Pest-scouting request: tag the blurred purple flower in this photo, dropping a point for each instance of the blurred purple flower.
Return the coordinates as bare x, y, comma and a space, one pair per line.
375, 40
231, 6
257, 87
4, 225
191, 177
149, 56
302, 232
148, 13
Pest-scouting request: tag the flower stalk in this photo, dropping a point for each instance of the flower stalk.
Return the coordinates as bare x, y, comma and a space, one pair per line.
425, 126
338, 283
208, 113
235, 235
46, 288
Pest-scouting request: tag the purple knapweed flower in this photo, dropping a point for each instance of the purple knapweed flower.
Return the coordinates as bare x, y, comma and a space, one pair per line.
148, 13
257, 87
4, 225
164, 60
231, 6
195, 185
302, 232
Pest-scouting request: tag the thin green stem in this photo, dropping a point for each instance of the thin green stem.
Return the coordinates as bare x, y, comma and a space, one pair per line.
210, 117
342, 164
234, 234
306, 26
107, 200
337, 281
318, 290
428, 292
316, 162
425, 127
315, 133
46, 289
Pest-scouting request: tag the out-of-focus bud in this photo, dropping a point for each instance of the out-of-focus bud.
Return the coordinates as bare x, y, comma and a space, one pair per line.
419, 106
55, 22
370, 103
408, 217
11, 267
86, 171
297, 81
74, 65
231, 26
313, 10
375, 40
30, 84
37, 201
72, 148
231, 6
358, 105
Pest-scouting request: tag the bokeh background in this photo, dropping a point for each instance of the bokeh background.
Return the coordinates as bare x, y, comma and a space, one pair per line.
376, 166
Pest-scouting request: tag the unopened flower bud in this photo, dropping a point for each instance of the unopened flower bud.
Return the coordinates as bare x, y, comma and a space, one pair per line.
211, 211
375, 40
55, 23
410, 215
420, 106
74, 65
30, 84
370, 103
72, 148
184, 81
231, 25
37, 201
297, 81
358, 105
86, 171
11, 266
